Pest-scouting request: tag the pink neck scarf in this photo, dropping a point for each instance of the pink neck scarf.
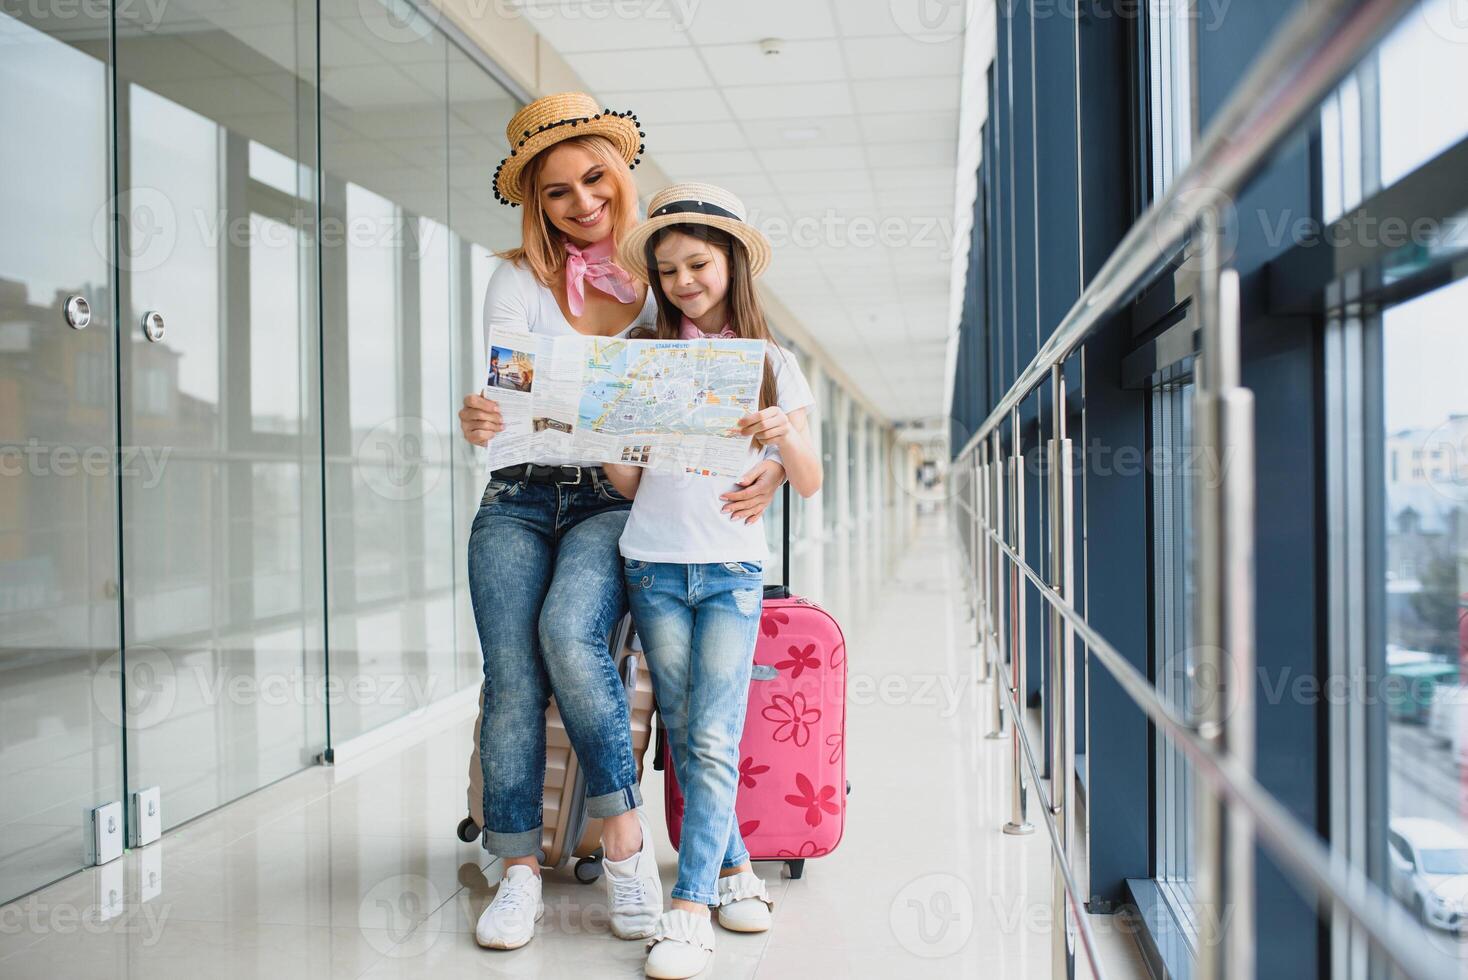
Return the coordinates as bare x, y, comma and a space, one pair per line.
689, 331
593, 264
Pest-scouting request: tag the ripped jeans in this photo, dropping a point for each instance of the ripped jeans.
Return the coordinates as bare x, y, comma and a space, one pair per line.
698, 625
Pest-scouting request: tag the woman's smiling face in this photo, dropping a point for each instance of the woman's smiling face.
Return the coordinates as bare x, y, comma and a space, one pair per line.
576, 193
692, 273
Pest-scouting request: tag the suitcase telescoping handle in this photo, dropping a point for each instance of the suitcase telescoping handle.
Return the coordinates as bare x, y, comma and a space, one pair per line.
782, 591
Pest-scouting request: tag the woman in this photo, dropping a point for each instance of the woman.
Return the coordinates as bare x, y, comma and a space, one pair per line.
544, 571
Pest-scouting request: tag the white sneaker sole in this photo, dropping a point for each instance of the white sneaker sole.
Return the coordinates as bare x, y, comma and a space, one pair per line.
507, 944
741, 927
672, 974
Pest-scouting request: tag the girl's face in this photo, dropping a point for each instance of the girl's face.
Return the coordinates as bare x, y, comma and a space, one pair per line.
576, 193
694, 275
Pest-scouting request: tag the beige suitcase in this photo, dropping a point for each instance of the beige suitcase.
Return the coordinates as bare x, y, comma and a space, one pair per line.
568, 832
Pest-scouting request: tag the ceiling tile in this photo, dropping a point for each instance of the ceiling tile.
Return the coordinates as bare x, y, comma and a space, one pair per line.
655, 106
788, 101
687, 136
648, 68
798, 61
912, 94
699, 164
575, 28
751, 20
902, 57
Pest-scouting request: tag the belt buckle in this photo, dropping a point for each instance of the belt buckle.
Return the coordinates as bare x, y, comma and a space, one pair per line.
560, 481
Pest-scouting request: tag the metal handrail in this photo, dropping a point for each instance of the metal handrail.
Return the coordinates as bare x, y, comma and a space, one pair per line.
1083, 924
1314, 50
1290, 843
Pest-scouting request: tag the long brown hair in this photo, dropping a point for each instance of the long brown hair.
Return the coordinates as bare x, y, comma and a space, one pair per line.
746, 317
542, 245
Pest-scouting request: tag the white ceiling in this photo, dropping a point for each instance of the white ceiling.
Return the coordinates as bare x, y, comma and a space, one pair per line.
842, 146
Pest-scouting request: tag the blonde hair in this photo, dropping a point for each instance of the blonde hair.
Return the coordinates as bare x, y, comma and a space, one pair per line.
746, 316
542, 245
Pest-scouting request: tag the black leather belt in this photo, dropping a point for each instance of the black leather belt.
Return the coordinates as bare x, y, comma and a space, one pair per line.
558, 475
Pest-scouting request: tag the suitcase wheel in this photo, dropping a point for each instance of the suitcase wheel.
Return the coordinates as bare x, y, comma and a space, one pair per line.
588, 869
468, 830
796, 868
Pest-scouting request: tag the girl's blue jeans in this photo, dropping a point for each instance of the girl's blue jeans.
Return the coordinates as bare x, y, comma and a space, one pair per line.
698, 625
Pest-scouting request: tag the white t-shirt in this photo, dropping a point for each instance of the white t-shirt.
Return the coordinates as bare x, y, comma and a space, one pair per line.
679, 517
516, 300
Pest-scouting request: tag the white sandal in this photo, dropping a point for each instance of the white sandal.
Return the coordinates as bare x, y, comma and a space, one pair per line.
744, 903
681, 947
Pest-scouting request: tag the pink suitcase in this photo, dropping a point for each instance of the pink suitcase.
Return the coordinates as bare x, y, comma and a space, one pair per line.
792, 769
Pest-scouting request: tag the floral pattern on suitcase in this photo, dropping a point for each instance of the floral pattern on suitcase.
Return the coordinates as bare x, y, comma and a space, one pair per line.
792, 769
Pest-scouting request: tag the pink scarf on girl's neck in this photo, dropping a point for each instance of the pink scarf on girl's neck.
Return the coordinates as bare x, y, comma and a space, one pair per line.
689, 331
593, 264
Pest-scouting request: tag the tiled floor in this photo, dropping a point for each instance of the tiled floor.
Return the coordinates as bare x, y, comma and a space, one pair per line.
357, 872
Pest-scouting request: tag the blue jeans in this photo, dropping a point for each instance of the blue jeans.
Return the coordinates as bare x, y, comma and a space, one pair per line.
698, 625
544, 577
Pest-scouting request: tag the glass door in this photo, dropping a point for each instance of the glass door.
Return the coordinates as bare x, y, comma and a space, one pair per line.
61, 745
222, 539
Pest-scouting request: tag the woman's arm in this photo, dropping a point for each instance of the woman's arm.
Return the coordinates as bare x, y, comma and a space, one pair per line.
624, 478
760, 486
791, 435
505, 305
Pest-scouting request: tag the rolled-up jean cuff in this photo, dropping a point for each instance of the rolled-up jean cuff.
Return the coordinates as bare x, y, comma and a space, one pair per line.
707, 898
612, 804
521, 843
736, 862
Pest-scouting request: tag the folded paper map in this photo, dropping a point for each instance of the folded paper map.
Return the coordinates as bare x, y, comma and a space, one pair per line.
671, 405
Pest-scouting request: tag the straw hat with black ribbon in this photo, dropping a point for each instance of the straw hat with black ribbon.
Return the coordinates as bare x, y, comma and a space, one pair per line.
694, 204
546, 122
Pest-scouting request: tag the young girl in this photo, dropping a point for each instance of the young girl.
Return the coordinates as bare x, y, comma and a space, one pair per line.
695, 579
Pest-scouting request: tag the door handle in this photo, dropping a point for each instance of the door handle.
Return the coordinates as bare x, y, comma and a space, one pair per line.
153, 326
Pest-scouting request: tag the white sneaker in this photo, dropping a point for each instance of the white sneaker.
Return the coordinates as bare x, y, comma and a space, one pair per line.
744, 904
509, 921
681, 946
635, 889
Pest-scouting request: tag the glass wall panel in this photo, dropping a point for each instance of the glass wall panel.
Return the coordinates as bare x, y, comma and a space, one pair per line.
387, 337
1172, 631
479, 108
60, 668
222, 543
1425, 608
